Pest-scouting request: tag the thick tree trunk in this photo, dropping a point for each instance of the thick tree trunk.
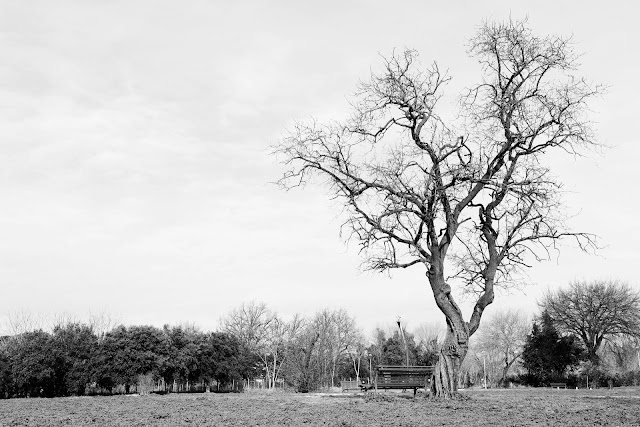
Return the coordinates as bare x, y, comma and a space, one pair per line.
444, 383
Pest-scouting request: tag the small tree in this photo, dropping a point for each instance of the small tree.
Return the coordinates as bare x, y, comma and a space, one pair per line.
472, 196
595, 312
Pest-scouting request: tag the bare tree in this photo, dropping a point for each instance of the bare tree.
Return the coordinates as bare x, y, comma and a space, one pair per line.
502, 338
338, 334
103, 322
252, 323
264, 333
429, 336
356, 350
595, 312
21, 321
473, 195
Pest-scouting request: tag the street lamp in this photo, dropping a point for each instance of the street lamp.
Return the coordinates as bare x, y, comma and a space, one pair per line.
404, 339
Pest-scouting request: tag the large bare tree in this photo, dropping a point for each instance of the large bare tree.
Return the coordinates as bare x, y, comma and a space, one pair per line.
471, 195
595, 312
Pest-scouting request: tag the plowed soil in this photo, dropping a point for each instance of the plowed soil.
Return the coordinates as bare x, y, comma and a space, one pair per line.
514, 407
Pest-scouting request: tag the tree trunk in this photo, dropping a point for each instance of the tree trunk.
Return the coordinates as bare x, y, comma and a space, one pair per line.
274, 373
267, 374
305, 383
444, 383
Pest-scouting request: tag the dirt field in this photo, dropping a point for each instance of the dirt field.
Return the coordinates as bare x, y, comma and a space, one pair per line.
516, 407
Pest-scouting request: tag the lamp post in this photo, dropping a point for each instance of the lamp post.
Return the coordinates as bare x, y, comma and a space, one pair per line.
404, 339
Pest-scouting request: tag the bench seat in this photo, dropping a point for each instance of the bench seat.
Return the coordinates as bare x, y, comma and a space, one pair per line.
403, 377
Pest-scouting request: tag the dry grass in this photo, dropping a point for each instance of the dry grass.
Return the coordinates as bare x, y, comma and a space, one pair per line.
516, 407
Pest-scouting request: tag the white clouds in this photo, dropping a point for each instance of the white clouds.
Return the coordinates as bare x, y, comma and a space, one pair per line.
134, 151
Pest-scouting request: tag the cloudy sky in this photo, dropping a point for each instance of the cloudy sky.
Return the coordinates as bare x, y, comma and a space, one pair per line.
134, 153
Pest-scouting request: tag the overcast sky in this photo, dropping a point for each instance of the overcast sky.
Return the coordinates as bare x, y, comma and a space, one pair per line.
134, 153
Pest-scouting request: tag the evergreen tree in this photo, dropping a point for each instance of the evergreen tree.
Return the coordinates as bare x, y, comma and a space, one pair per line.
546, 354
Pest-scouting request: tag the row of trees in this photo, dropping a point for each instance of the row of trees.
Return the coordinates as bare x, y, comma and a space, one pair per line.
73, 360
586, 330
254, 345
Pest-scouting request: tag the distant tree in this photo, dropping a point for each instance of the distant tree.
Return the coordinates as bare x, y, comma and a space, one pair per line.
112, 363
74, 346
303, 366
390, 350
102, 322
222, 358
356, 351
502, 337
595, 312
19, 322
33, 364
393, 351
125, 354
261, 331
547, 354
471, 196
326, 347
428, 337
181, 363
6, 380
338, 332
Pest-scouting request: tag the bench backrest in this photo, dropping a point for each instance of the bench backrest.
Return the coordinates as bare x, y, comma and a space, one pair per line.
404, 375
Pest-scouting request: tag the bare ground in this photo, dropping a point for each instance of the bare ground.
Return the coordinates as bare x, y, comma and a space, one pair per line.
515, 407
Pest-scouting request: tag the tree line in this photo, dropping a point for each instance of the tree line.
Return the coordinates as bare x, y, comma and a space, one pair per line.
587, 334
254, 346
74, 360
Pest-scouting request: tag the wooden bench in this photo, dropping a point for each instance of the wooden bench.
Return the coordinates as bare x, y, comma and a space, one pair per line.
558, 385
403, 377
